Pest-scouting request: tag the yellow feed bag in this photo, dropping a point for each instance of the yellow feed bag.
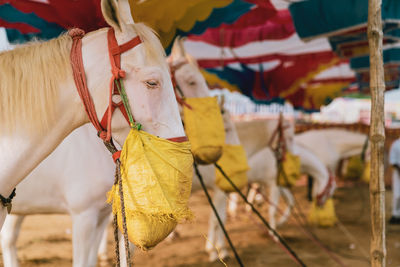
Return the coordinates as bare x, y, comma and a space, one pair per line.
324, 216
366, 173
355, 168
204, 127
290, 172
156, 180
234, 163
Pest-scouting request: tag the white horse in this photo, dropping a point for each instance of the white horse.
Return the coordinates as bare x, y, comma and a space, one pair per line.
59, 184
332, 145
320, 152
40, 106
262, 174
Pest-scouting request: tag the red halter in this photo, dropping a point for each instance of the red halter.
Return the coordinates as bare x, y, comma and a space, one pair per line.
327, 192
114, 51
179, 99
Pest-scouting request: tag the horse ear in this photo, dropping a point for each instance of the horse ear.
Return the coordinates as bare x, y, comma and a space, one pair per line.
117, 13
125, 12
109, 8
176, 51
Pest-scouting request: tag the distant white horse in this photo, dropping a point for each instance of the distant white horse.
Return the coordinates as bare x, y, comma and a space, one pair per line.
40, 105
332, 145
310, 164
320, 152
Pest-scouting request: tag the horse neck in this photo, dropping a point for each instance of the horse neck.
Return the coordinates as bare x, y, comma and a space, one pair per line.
311, 165
22, 152
231, 135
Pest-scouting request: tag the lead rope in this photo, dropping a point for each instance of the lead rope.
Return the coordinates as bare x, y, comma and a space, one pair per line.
286, 247
221, 224
118, 180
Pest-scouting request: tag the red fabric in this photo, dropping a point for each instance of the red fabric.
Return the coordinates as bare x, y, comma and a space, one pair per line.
84, 14
215, 63
291, 69
256, 25
22, 27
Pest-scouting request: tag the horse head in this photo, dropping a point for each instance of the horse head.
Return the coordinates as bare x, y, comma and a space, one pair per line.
145, 75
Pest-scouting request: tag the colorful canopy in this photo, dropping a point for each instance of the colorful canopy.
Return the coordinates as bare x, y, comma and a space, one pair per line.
248, 46
45, 19
265, 59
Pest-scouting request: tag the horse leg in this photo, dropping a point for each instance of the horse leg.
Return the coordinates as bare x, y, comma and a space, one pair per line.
274, 195
216, 236
83, 237
290, 202
99, 233
9, 236
3, 214
251, 196
102, 253
233, 204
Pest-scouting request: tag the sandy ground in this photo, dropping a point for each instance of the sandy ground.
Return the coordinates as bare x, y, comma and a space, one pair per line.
46, 240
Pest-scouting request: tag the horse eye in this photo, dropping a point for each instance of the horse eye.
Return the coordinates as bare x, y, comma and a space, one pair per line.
192, 83
151, 84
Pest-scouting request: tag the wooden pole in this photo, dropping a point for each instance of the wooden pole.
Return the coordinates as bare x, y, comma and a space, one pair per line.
377, 135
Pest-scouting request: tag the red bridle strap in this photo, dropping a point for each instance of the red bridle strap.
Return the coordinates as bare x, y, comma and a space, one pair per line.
80, 78
325, 194
173, 68
115, 50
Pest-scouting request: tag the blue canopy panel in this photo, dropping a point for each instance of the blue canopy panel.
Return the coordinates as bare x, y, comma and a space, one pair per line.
249, 81
391, 62
390, 56
46, 29
355, 44
314, 18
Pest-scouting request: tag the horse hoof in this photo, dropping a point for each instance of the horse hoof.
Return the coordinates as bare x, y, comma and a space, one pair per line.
172, 236
223, 255
213, 256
